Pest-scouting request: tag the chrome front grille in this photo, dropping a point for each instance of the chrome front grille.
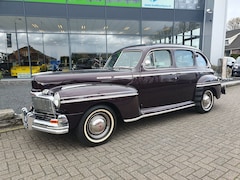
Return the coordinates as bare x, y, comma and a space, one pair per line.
43, 105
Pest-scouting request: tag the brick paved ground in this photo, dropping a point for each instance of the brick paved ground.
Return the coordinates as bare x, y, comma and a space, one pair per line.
181, 145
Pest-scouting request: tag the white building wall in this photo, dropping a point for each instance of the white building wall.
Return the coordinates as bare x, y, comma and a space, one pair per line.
214, 29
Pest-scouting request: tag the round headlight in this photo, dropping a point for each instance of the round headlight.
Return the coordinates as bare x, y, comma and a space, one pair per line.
56, 100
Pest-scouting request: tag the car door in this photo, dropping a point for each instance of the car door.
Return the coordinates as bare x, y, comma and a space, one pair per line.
156, 80
186, 75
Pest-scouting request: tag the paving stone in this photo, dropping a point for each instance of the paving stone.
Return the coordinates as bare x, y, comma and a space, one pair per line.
179, 145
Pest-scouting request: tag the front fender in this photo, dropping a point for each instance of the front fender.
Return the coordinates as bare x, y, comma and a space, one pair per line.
78, 98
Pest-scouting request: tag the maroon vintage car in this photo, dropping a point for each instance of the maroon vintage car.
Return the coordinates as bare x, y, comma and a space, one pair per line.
136, 82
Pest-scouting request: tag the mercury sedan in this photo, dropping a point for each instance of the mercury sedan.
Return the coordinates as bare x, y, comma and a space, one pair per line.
136, 82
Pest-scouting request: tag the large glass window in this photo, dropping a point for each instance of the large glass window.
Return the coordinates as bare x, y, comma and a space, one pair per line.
88, 51
115, 42
87, 26
129, 27
155, 32
70, 33
187, 33
47, 25
189, 4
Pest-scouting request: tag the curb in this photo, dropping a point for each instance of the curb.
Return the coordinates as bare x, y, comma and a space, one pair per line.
230, 83
14, 128
11, 124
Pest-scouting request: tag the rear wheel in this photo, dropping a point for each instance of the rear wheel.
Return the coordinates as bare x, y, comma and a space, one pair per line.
96, 126
206, 102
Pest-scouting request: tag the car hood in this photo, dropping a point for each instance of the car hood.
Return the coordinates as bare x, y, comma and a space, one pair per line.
52, 79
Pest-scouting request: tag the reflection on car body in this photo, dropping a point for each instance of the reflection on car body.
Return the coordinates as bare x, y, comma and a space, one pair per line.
136, 82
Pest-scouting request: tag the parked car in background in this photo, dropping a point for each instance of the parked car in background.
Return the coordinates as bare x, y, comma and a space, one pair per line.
236, 67
230, 61
88, 63
136, 82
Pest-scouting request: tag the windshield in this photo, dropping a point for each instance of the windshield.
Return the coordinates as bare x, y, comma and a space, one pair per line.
124, 59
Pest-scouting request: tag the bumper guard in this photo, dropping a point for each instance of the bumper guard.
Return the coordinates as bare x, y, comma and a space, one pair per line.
54, 126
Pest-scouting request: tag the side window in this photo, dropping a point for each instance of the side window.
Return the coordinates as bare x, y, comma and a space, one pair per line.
162, 59
201, 61
184, 58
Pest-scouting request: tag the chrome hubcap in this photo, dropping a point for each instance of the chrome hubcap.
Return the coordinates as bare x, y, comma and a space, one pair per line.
207, 100
97, 125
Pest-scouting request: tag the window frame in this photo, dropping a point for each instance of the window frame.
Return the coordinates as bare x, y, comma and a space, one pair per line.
153, 59
183, 66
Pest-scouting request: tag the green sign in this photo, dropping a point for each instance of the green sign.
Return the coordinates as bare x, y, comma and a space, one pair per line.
47, 1
87, 2
124, 3
118, 3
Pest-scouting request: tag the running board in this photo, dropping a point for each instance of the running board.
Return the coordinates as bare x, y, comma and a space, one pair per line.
148, 112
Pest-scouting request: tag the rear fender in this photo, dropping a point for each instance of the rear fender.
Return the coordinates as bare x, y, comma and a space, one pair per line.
209, 82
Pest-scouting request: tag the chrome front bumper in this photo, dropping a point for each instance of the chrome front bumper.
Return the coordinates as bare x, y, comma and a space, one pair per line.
56, 126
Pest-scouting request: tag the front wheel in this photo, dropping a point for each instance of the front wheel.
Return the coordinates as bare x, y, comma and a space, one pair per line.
206, 103
96, 126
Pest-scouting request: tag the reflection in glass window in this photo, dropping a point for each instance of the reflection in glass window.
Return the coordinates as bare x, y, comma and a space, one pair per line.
162, 59
187, 33
51, 38
60, 44
87, 26
130, 27
157, 32
128, 59
183, 58
90, 48
18, 51
116, 42
189, 4
40, 24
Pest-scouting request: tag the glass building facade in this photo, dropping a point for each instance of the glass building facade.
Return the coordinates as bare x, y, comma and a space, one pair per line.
70, 30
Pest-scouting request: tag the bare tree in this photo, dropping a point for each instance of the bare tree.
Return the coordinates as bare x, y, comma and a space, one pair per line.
233, 24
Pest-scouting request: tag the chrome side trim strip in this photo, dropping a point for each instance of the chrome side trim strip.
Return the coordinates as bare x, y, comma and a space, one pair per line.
123, 77
105, 77
168, 73
208, 84
94, 97
150, 74
158, 113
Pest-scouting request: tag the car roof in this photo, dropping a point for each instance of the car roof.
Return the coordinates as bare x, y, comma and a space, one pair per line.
148, 47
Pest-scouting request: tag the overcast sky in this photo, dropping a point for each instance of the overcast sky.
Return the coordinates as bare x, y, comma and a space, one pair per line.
233, 9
